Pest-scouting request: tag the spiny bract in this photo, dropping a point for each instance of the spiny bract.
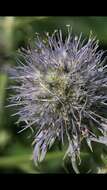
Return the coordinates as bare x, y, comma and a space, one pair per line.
61, 92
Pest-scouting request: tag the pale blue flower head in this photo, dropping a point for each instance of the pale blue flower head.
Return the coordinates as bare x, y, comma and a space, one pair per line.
61, 92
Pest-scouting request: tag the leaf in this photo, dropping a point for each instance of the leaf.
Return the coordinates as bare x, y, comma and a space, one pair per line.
72, 154
74, 165
101, 139
89, 144
43, 152
36, 153
51, 142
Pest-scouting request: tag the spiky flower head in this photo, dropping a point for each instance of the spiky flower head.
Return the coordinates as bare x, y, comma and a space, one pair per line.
61, 92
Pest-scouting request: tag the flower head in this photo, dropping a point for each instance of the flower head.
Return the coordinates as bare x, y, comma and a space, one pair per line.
61, 92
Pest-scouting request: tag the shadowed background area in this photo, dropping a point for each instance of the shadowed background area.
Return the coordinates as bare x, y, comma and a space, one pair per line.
16, 149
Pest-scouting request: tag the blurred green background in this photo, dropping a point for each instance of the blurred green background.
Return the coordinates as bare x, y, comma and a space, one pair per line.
16, 149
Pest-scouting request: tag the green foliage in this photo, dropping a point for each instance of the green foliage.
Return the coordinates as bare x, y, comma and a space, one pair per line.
15, 149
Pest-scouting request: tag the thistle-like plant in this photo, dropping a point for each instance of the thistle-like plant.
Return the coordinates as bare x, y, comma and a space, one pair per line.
61, 92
